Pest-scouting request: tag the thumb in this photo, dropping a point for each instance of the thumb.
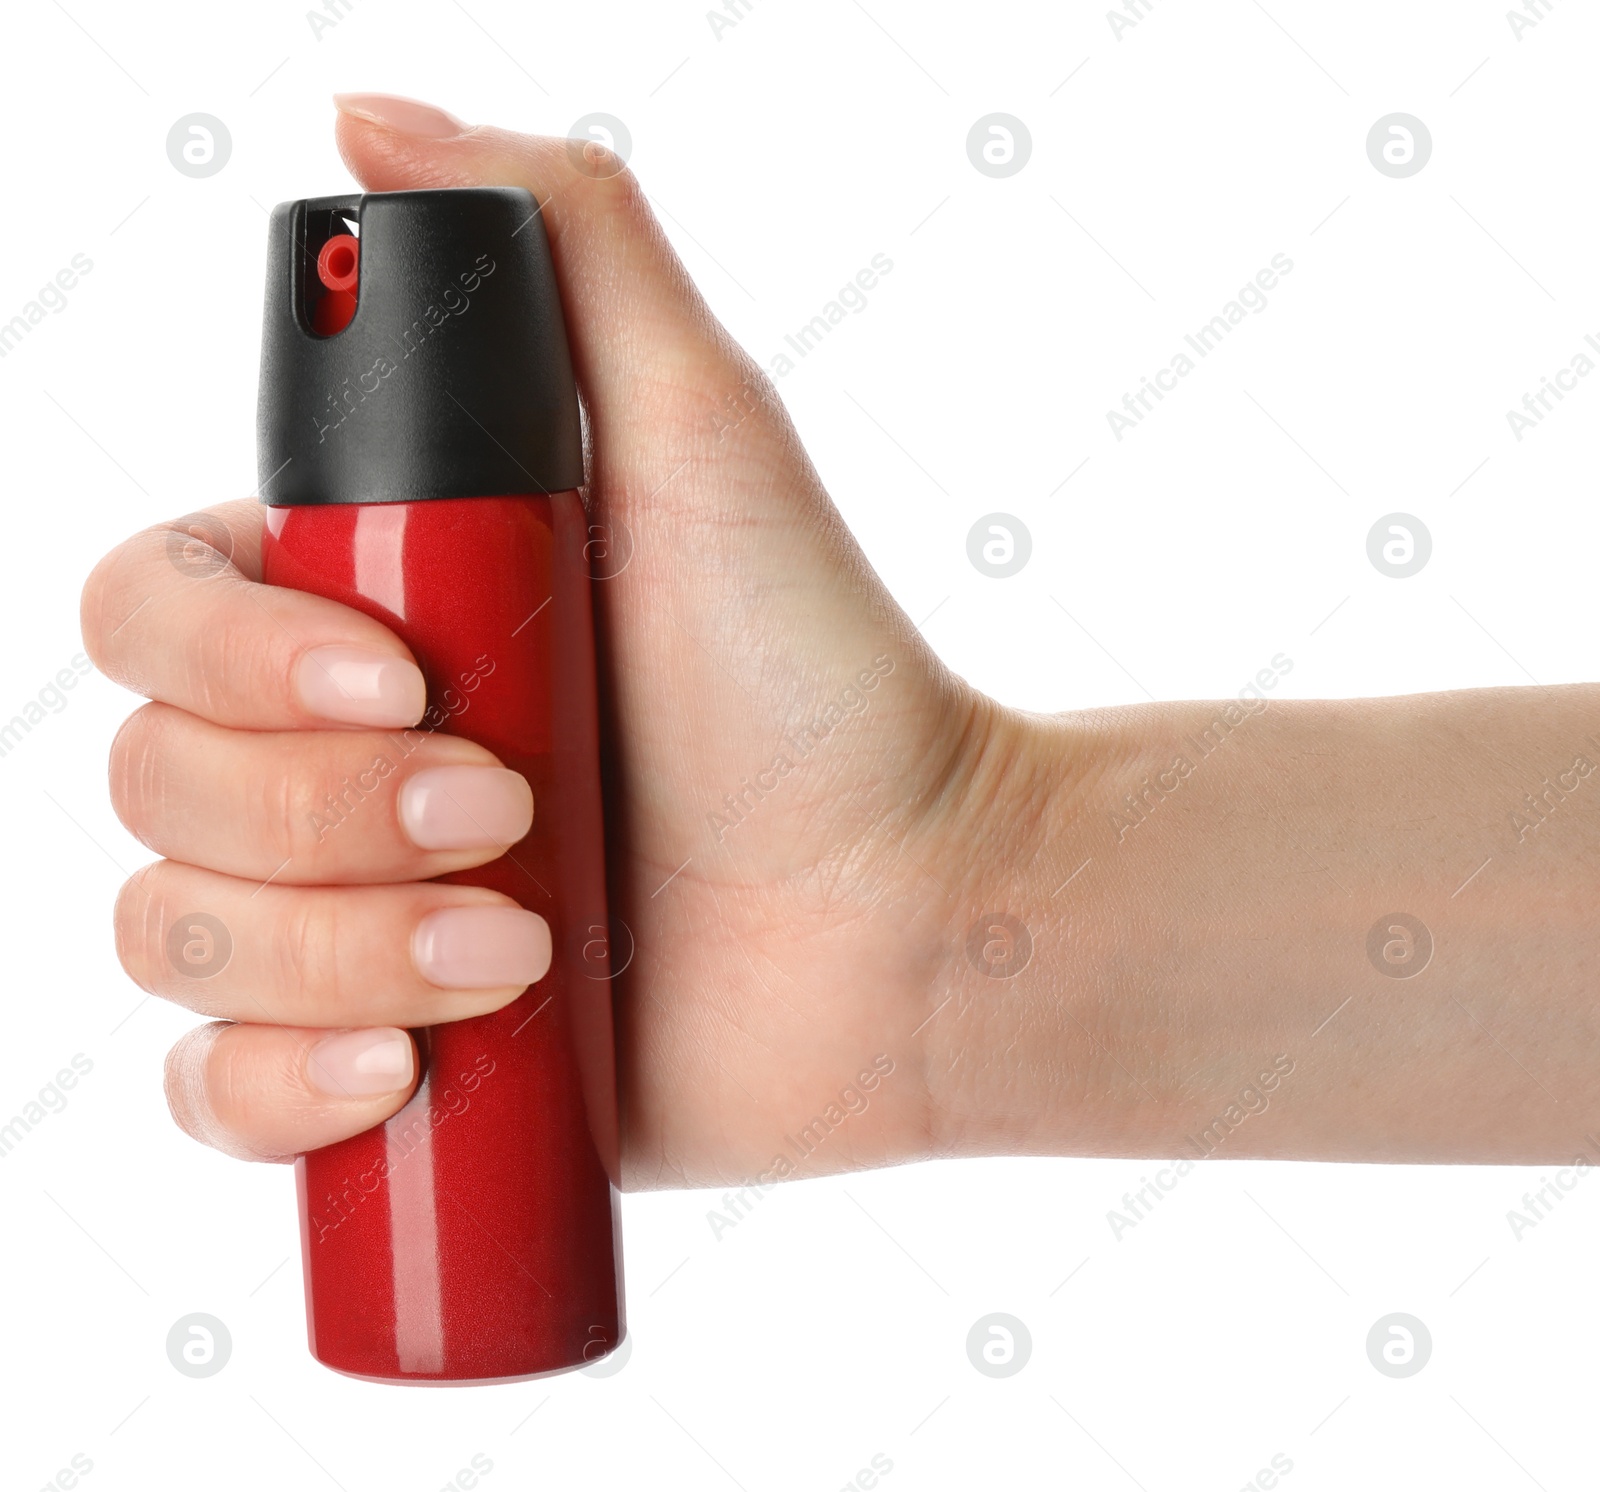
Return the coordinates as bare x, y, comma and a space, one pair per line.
748, 600
645, 345
658, 373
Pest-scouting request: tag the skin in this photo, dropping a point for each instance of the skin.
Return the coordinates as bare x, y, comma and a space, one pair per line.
1220, 936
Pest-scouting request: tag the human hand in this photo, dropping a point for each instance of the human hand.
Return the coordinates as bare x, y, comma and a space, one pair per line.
794, 779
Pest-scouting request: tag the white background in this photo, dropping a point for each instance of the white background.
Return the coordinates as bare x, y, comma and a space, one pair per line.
1229, 527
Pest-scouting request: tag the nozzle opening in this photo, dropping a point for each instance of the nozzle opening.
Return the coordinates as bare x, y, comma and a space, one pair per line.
337, 262
331, 274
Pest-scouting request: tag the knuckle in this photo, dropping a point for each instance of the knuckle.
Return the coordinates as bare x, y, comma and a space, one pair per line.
626, 185
117, 585
135, 770
215, 1088
229, 664
198, 546
292, 812
337, 809
594, 159
92, 608
272, 815
135, 573
135, 924
307, 954
185, 1083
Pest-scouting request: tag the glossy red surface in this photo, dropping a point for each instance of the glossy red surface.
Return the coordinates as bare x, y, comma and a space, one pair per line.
473, 1237
338, 269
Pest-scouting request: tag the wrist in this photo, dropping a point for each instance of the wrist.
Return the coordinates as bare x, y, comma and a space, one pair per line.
1018, 1052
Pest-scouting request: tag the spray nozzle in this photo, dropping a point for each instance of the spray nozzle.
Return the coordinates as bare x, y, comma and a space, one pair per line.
338, 268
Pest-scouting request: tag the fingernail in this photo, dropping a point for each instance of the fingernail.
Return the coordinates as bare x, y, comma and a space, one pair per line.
482, 947
360, 687
406, 116
466, 808
357, 1064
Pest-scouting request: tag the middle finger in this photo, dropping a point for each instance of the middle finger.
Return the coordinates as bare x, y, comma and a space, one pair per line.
356, 956
313, 807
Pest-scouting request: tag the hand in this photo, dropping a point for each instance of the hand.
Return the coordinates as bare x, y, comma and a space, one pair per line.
797, 929
793, 897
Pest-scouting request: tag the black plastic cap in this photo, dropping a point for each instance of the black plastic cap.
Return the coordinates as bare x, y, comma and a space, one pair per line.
452, 379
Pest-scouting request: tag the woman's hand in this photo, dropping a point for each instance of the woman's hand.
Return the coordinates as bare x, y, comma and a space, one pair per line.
790, 937
1192, 893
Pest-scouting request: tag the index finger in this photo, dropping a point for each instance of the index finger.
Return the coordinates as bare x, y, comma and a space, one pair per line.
178, 613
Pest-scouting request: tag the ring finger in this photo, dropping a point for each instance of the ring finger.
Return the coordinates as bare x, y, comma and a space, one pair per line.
415, 954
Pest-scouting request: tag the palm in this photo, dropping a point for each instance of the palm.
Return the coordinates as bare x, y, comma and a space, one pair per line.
761, 795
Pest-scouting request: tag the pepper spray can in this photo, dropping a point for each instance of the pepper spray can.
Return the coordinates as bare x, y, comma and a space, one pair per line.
420, 455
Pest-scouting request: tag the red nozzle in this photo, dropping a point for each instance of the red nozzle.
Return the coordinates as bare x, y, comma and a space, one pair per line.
338, 261
338, 264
